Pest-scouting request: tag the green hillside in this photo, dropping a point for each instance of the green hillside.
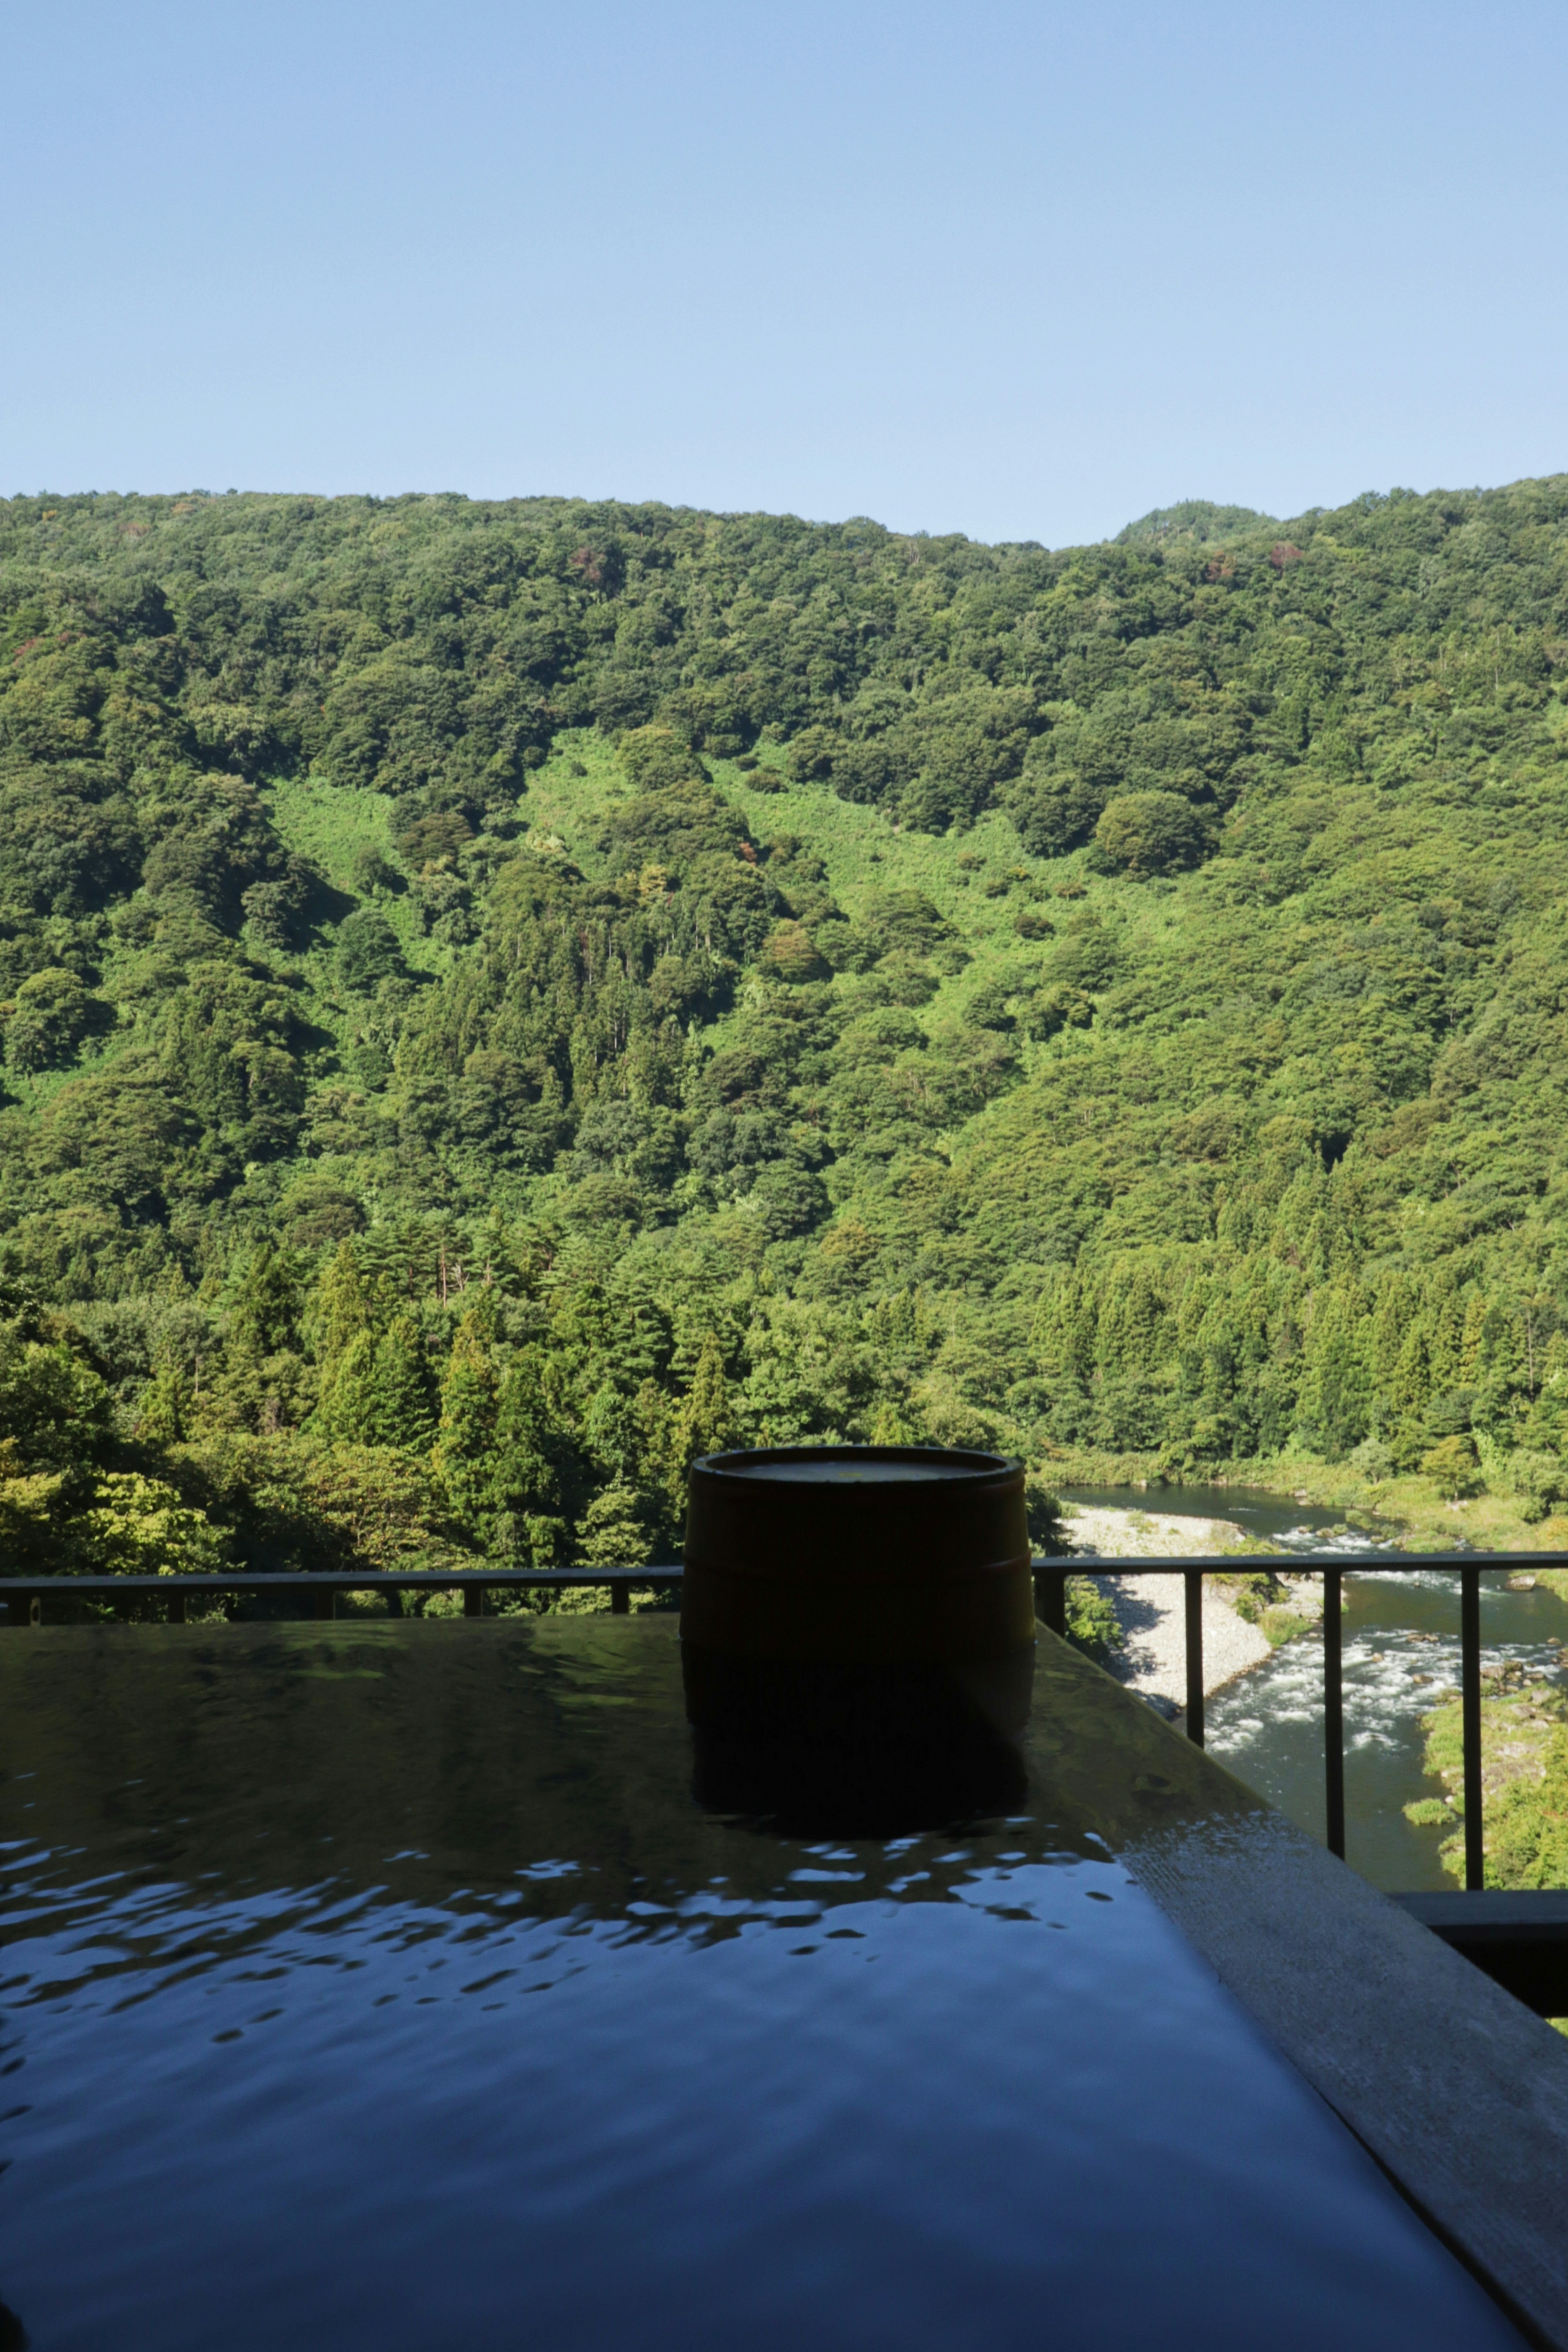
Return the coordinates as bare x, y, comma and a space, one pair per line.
496, 999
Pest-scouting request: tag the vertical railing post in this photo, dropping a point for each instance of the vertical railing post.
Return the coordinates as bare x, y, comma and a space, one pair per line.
1051, 1599
1334, 1711
472, 1600
1194, 1581
1470, 1722
620, 1600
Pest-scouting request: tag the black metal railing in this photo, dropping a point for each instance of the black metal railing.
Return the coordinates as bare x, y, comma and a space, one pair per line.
321, 1587
25, 1597
1051, 1584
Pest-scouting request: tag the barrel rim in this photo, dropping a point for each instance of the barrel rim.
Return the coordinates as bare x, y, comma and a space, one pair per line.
969, 1467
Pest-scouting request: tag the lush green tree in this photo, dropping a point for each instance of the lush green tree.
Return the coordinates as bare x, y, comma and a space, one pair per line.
379, 1507
1451, 1465
613, 1531
655, 758
706, 1422
372, 874
464, 1457
1150, 833
137, 1525
47, 1020
55, 1412
400, 1410
367, 949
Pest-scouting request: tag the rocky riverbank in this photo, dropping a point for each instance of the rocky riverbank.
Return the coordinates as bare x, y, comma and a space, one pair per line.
1150, 1609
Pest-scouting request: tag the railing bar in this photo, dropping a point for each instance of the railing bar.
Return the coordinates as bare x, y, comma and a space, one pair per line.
1050, 1597
1194, 1598
1334, 1711
1470, 1721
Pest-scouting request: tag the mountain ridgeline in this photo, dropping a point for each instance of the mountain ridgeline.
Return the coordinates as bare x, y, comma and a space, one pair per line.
498, 999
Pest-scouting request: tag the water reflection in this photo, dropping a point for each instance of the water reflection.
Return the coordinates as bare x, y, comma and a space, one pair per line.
803, 1792
856, 1750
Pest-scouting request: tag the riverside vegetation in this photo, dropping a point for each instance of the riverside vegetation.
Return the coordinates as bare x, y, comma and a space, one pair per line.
495, 999
1524, 1779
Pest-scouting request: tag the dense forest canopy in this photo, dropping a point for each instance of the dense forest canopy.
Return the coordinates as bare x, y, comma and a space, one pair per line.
496, 999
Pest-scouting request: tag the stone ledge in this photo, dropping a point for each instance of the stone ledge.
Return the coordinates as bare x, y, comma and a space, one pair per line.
1458, 2092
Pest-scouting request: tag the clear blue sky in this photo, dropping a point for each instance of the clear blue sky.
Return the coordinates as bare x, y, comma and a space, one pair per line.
1019, 271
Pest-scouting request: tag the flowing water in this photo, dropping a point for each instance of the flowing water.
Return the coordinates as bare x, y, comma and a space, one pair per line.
1305, 1527
1401, 1635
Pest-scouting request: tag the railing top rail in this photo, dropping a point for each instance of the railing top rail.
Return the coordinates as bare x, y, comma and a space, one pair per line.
1313, 1563
403, 1580
416, 1580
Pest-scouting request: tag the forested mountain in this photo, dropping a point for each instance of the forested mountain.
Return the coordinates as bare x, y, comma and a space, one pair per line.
496, 999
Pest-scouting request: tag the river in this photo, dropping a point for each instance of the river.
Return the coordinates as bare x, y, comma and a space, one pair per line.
1401, 1648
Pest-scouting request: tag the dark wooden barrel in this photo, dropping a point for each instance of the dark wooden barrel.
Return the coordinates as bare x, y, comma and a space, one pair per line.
856, 1594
